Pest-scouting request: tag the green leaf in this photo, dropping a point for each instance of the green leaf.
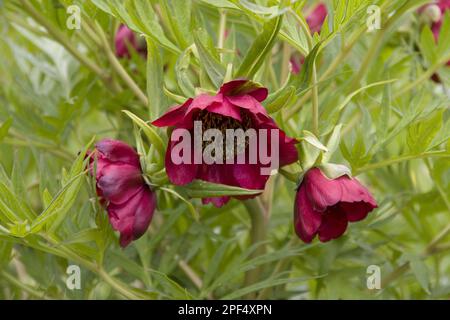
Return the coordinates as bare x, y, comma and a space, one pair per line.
333, 143
189, 205
422, 132
259, 49
215, 263
182, 73
385, 113
155, 80
178, 15
139, 16
203, 189
334, 171
220, 4
312, 140
420, 270
55, 213
210, 62
268, 283
280, 99
151, 134
356, 92
304, 78
444, 33
13, 206
4, 128
175, 290
427, 44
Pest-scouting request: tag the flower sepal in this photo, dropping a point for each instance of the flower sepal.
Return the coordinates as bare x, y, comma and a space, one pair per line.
333, 170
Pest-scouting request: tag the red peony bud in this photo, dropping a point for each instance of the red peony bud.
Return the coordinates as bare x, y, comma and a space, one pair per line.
316, 18
126, 38
129, 200
315, 21
324, 206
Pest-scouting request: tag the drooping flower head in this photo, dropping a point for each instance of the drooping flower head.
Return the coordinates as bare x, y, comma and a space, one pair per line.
324, 206
129, 200
125, 39
236, 107
315, 21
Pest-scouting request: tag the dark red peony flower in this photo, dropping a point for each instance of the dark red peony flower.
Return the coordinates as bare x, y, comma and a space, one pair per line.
126, 38
315, 21
316, 18
324, 206
129, 200
237, 105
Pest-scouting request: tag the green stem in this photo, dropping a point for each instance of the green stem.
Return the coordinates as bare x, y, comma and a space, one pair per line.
315, 102
30, 290
120, 70
67, 253
257, 235
423, 77
315, 89
333, 66
221, 35
430, 250
285, 62
281, 265
389, 162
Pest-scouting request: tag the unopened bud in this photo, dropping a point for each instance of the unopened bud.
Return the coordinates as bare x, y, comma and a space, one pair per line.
432, 13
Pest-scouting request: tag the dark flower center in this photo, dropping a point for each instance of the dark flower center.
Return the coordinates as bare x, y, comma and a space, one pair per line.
220, 122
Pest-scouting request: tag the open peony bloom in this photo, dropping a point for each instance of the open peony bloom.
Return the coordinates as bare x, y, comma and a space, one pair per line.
324, 206
129, 200
126, 38
315, 21
236, 106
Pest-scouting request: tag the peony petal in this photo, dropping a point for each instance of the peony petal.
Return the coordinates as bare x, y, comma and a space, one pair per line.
356, 211
259, 94
306, 220
227, 88
173, 116
247, 102
316, 18
233, 87
118, 151
215, 173
226, 109
133, 217
334, 224
322, 192
217, 201
96, 163
248, 176
286, 146
179, 174
288, 150
120, 182
144, 212
296, 62
125, 37
353, 191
